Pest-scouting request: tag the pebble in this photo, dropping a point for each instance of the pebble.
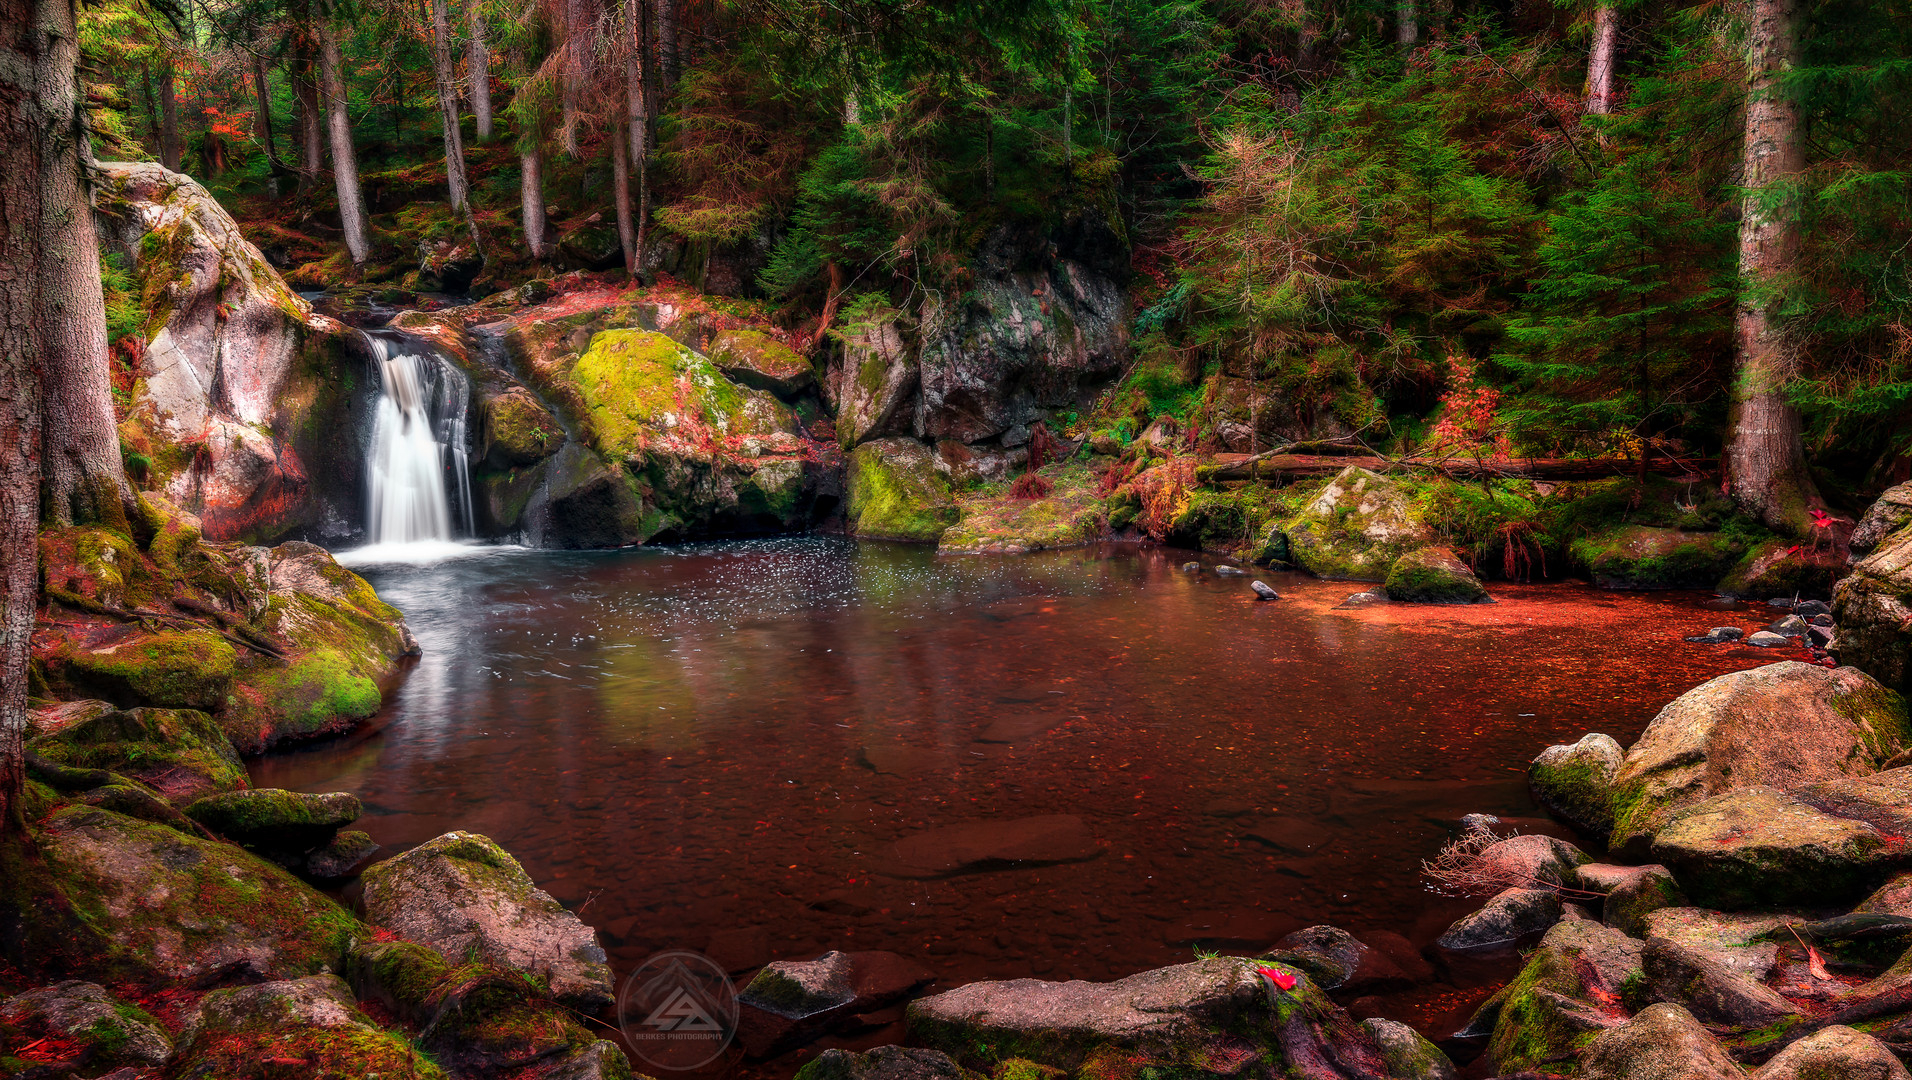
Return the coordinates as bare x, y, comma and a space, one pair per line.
1766, 639
1812, 608
1790, 626
1230, 571
1191, 567
1718, 635
1264, 591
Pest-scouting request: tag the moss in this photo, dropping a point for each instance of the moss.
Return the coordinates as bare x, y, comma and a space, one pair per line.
317, 692
401, 975
263, 810
895, 493
322, 1053
1881, 716
1640, 557
191, 670
1432, 576
181, 753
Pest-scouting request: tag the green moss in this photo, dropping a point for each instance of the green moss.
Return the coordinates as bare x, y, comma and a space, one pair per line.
401, 975
317, 691
898, 495
1426, 576
191, 670
1640, 557
181, 753
262, 810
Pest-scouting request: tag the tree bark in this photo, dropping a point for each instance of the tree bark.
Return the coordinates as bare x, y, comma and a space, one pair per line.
446, 79
478, 61
311, 122
344, 164
21, 127
84, 480
621, 195
572, 74
263, 129
638, 121
1606, 35
1407, 24
1765, 456
667, 44
169, 148
531, 193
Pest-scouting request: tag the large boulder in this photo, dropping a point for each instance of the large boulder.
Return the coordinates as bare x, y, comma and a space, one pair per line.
896, 492
253, 1032
516, 431
1784, 725
1834, 1053
1432, 575
1762, 847
1644, 557
1409, 1056
1355, 528
884, 1063
1712, 991
276, 820
1575, 782
872, 381
1890, 513
1572, 984
244, 400
1782, 567
1872, 606
1661, 1042
180, 753
461, 894
94, 1030
1220, 1012
1508, 916
756, 359
112, 898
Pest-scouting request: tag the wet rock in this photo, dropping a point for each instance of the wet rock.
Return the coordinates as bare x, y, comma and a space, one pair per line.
1718, 635
896, 493
1571, 985
600, 1060
104, 1032
1191, 567
250, 1032
114, 898
1178, 1016
1758, 846
1575, 782
1264, 591
995, 844
1511, 915
756, 359
1766, 639
1338, 961
883, 1063
462, 894
344, 855
1432, 575
1363, 599
1813, 610
1536, 860
1643, 557
1407, 1055
276, 820
1661, 1042
1355, 528
1834, 1053
1710, 990
180, 753
1628, 903
872, 384
1783, 725
789, 1002
516, 431
1790, 626
1225, 570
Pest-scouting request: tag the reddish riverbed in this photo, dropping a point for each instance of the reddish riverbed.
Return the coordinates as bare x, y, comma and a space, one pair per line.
769, 749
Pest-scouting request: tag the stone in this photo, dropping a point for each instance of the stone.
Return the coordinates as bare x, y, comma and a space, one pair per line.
1892, 898
1264, 591
105, 1032
1626, 906
1872, 604
1644, 557
1790, 626
1661, 1042
190, 669
1355, 528
1407, 1054
116, 899
756, 359
1834, 1053
883, 1063
896, 493
1329, 954
1813, 611
1711, 991
55, 717
1575, 782
1178, 1017
1891, 512
1767, 639
275, 819
1742, 941
1783, 725
872, 384
1759, 847
462, 894
994, 844
1509, 916
1225, 570
1432, 575
1783, 566
1191, 567
343, 856
517, 431
1718, 635
1882, 799
599, 1060
249, 1032
1071, 515
1536, 860
1572, 984
180, 753
789, 1002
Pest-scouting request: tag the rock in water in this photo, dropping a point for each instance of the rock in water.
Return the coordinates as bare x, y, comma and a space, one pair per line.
1575, 782
1432, 575
896, 492
1509, 916
1718, 635
1408, 1055
1834, 1053
1355, 528
790, 1001
1661, 1042
277, 820
1766, 639
1264, 591
1644, 557
988, 845
1783, 725
462, 893
1570, 986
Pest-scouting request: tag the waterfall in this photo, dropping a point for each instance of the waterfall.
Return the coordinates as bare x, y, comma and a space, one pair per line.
418, 436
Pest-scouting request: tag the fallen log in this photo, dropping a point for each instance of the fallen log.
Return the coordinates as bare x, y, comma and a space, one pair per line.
1291, 466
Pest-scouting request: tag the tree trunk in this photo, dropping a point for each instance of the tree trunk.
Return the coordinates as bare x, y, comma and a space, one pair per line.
638, 121
621, 195
344, 164
311, 123
531, 191
1765, 458
263, 129
667, 43
1407, 25
1606, 34
478, 60
84, 479
21, 128
152, 105
572, 75
446, 79
169, 149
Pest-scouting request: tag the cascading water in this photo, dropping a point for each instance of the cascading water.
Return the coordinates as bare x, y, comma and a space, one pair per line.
417, 437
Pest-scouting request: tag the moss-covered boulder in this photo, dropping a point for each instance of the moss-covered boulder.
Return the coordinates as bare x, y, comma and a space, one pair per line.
1834, 1053
886, 1063
180, 753
1573, 987
79, 1026
1408, 1054
254, 1032
1639, 894
645, 394
517, 431
463, 895
756, 359
873, 381
1644, 557
1891, 512
1660, 1041
1000, 524
277, 820
1760, 847
1784, 725
1713, 991
1209, 1016
1355, 528
108, 897
190, 669
1575, 782
1783, 567
1872, 606
1432, 575
896, 492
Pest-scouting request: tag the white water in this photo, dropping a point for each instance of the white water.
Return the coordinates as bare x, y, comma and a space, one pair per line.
407, 500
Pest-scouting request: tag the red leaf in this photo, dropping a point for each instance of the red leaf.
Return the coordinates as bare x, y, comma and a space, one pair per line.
1280, 979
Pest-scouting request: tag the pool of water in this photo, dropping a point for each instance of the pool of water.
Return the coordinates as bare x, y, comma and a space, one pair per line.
768, 749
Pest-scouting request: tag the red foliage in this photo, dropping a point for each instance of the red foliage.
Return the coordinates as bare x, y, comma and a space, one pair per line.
1113, 477
1031, 486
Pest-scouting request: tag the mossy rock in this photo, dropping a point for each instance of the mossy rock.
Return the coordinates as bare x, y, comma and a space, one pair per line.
645, 392
1000, 524
1432, 575
181, 753
96, 564
1576, 977
111, 898
1356, 526
897, 493
104, 1032
1575, 782
758, 360
190, 669
1782, 567
518, 431
277, 819
1643, 557
249, 1032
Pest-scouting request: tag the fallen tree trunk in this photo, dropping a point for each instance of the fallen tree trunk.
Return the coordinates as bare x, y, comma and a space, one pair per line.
1291, 466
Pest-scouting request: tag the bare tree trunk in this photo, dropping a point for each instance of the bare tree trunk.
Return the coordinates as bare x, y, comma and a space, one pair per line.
667, 43
478, 61
446, 79
572, 74
344, 163
263, 129
152, 105
531, 192
311, 122
21, 127
169, 148
621, 195
638, 121
84, 479
1765, 458
1407, 24
1606, 34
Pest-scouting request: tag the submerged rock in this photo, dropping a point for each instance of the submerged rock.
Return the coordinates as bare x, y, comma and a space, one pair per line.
1575, 782
461, 894
1432, 575
985, 845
